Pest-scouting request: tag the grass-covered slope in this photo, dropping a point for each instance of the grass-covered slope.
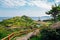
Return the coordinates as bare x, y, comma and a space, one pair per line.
17, 21
7, 26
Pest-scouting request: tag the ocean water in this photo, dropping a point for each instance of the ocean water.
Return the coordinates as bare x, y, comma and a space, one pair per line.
41, 18
35, 18
3, 18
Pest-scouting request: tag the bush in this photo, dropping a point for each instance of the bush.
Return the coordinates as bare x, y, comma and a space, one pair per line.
34, 38
49, 34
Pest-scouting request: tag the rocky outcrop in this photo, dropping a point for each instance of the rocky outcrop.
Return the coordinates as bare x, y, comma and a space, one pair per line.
56, 25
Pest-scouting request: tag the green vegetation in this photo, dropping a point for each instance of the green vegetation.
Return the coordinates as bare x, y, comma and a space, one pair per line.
15, 24
54, 12
59, 17
4, 32
47, 32
17, 21
35, 38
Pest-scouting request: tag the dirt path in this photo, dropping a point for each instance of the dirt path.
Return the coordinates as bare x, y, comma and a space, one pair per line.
26, 37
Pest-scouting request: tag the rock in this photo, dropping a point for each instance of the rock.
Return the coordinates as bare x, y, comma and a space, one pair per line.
56, 25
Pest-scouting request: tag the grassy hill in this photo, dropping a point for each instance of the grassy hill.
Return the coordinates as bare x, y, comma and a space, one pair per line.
17, 23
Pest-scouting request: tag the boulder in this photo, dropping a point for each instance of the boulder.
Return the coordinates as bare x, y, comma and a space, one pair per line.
56, 25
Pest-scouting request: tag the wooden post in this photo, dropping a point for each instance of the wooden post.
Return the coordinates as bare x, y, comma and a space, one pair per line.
8, 38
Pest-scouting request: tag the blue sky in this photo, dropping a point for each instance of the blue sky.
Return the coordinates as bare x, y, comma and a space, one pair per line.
34, 8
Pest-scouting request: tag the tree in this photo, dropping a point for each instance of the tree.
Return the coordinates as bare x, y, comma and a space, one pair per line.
54, 12
59, 17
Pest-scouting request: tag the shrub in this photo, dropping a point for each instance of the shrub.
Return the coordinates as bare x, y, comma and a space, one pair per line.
49, 34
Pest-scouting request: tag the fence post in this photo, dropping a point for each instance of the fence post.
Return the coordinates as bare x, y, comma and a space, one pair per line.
8, 38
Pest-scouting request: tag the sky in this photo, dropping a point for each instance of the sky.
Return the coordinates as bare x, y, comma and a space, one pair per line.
32, 8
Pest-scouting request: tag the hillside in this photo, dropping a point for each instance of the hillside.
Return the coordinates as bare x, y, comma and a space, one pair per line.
17, 21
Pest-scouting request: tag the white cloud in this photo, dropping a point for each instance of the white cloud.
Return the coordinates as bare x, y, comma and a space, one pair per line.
17, 3
13, 3
57, 0
41, 4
